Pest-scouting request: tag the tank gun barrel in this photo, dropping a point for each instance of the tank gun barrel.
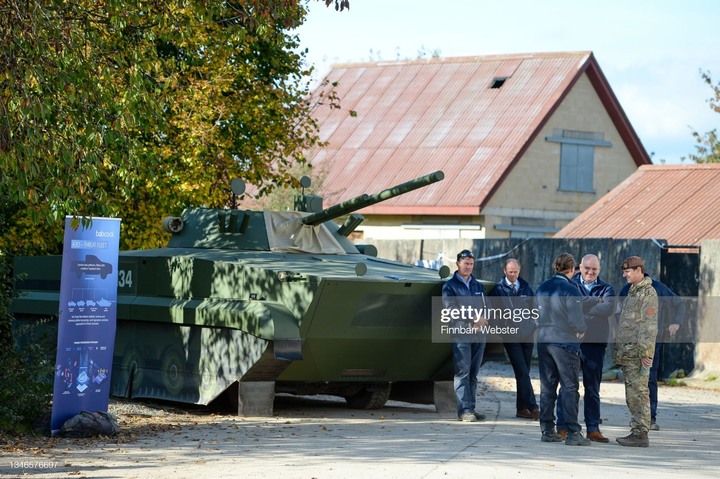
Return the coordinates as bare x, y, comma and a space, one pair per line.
337, 210
366, 200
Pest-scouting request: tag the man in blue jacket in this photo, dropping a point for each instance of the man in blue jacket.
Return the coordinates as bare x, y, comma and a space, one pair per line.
561, 328
671, 315
460, 291
598, 306
517, 293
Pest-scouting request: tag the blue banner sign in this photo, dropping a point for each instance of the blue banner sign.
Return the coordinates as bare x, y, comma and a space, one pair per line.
87, 319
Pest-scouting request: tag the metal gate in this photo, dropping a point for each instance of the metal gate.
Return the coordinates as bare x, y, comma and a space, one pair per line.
680, 271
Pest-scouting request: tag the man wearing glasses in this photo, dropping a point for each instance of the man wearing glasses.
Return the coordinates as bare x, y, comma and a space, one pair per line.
598, 306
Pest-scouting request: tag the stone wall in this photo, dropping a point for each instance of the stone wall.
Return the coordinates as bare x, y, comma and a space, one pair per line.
707, 348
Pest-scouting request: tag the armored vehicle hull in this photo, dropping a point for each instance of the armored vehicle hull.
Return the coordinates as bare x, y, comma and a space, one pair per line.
246, 304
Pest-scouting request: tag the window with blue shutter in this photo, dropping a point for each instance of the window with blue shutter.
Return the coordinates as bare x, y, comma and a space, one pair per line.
577, 158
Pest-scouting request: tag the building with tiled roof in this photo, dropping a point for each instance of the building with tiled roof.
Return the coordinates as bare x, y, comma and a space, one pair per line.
526, 143
675, 203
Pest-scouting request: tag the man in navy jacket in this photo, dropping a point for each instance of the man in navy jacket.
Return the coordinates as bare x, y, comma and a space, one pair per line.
598, 307
560, 331
517, 293
459, 291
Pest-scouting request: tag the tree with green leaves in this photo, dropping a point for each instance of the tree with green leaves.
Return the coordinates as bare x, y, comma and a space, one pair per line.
139, 109
707, 148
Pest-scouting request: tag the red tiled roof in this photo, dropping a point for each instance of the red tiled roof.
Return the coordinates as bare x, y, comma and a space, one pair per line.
416, 117
677, 203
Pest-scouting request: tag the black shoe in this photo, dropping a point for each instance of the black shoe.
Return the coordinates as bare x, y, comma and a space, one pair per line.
479, 417
576, 439
551, 436
467, 417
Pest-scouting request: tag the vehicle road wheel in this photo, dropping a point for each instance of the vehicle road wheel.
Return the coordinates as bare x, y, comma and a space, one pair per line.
131, 369
369, 398
172, 368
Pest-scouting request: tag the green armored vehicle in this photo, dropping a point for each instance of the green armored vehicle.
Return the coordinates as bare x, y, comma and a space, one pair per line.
247, 304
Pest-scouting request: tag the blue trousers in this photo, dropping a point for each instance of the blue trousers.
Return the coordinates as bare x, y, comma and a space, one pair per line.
559, 366
520, 356
593, 356
468, 359
652, 381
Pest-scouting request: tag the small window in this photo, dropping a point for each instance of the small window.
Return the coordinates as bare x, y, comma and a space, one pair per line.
577, 158
576, 168
498, 82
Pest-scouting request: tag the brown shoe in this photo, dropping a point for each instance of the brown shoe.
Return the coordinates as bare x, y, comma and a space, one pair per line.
535, 414
525, 414
597, 437
563, 433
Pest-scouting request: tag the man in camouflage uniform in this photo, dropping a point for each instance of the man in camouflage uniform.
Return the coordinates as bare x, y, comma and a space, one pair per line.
635, 347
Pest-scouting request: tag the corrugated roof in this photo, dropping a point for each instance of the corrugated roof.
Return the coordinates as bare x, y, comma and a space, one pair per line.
677, 203
416, 117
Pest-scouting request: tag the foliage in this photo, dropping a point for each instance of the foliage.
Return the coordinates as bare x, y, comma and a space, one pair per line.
140, 109
25, 368
708, 145
340, 5
6, 296
26, 375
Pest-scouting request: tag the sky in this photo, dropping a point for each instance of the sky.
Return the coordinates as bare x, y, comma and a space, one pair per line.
651, 51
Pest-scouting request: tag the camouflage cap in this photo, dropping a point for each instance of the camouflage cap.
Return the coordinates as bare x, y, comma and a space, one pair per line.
632, 262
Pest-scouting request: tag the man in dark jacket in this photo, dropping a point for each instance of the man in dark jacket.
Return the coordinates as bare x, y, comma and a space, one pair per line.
598, 306
458, 292
560, 331
671, 315
515, 293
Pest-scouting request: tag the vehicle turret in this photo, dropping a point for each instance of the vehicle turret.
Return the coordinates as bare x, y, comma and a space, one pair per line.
308, 230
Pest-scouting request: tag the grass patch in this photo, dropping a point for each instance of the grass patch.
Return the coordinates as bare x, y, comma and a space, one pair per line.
674, 382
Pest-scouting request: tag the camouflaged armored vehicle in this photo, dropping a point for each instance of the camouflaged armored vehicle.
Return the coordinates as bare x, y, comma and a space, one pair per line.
247, 304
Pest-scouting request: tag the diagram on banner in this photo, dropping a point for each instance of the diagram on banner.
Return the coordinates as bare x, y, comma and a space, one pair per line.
89, 300
79, 371
92, 265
